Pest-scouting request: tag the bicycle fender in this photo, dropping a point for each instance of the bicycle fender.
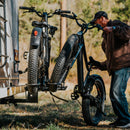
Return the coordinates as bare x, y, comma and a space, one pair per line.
92, 79
36, 36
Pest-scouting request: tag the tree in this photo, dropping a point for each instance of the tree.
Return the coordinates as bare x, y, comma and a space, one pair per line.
63, 25
123, 10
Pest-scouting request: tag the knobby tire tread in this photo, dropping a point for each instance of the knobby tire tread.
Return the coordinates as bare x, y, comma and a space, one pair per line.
64, 58
86, 108
33, 65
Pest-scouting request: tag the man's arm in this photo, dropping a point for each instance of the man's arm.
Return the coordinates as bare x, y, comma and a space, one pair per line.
120, 29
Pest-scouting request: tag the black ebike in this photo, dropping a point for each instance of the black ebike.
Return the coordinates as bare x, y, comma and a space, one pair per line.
39, 53
92, 89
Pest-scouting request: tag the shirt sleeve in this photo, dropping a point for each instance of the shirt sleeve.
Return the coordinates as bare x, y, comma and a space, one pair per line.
122, 30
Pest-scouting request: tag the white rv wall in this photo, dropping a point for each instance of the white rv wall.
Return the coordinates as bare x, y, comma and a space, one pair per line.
12, 42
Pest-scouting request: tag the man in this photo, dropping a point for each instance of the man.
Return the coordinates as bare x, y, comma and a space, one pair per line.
116, 45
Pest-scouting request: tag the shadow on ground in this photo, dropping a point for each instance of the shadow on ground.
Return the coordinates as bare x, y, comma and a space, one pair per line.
67, 115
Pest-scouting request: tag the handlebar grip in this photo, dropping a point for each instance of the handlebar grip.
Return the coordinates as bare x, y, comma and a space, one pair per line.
67, 16
65, 11
26, 8
59, 11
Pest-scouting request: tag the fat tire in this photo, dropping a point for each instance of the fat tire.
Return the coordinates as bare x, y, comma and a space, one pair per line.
33, 67
86, 107
64, 59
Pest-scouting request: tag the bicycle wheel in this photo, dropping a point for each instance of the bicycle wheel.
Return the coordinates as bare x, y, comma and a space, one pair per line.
33, 70
93, 105
63, 61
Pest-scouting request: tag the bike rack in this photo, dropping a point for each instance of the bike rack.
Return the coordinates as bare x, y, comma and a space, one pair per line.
8, 95
59, 86
15, 101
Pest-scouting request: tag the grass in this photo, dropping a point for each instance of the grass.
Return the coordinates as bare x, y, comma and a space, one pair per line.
49, 115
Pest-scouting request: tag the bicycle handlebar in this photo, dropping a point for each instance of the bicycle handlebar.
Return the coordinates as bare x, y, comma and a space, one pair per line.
64, 13
56, 12
59, 11
26, 8
31, 9
84, 25
67, 16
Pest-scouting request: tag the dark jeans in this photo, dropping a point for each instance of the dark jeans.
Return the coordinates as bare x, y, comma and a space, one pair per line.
117, 93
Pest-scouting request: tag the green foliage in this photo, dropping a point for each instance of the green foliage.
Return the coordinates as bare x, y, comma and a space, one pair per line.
34, 2
52, 126
123, 10
119, 1
88, 12
38, 2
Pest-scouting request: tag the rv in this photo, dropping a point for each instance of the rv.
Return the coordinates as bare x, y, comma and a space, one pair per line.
9, 51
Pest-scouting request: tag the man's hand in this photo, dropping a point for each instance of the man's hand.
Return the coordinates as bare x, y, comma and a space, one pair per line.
108, 29
95, 64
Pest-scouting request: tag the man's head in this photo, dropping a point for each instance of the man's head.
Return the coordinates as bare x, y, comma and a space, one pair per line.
101, 18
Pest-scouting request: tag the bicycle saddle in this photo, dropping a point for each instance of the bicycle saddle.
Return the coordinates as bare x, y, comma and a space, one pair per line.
39, 24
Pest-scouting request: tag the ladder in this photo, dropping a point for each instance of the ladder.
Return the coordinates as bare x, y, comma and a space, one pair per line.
3, 19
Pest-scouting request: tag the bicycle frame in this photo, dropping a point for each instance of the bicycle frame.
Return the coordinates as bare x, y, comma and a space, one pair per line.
44, 53
79, 56
46, 44
36, 41
81, 53
42, 29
